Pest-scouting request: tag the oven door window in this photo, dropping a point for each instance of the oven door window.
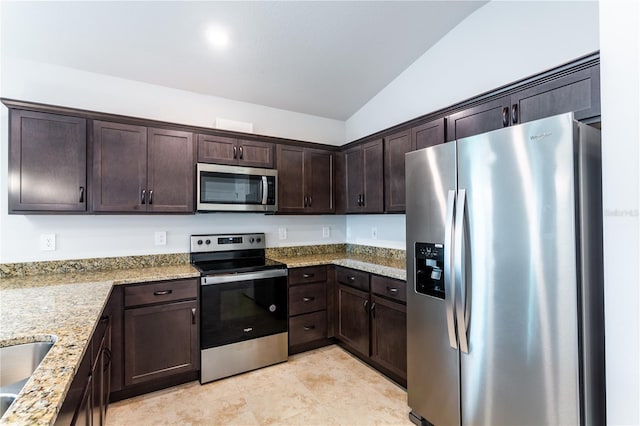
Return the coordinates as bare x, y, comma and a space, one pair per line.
229, 188
233, 312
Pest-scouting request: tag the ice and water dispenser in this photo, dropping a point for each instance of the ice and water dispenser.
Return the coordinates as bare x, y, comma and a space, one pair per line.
430, 269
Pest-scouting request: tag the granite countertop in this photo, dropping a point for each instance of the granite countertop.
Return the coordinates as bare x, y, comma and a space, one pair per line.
388, 267
64, 308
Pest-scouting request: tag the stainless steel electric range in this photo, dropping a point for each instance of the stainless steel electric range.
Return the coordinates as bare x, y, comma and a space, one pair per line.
243, 305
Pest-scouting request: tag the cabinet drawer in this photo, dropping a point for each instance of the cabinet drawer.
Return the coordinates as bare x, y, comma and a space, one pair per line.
353, 278
307, 328
394, 289
159, 292
307, 298
309, 274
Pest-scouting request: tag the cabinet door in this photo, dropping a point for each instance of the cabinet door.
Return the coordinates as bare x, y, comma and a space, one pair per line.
77, 393
373, 194
395, 146
427, 134
171, 171
578, 92
291, 191
160, 341
119, 167
217, 149
482, 118
353, 170
47, 162
255, 154
353, 319
389, 335
318, 178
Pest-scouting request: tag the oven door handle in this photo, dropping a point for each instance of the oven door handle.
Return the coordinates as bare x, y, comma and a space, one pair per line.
245, 276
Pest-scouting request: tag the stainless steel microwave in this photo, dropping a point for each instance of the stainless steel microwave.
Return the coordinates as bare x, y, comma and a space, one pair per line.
235, 188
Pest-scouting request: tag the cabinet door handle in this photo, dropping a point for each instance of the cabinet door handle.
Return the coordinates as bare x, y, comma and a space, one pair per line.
162, 292
505, 116
514, 113
360, 200
392, 290
305, 201
373, 309
143, 197
106, 363
365, 304
151, 197
310, 200
241, 153
81, 200
308, 299
235, 152
193, 315
308, 275
309, 327
363, 203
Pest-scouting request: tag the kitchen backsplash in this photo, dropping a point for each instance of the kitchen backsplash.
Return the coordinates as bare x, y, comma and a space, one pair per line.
9, 270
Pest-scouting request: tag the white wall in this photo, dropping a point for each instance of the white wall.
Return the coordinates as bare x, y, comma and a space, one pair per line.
389, 230
620, 92
499, 43
95, 236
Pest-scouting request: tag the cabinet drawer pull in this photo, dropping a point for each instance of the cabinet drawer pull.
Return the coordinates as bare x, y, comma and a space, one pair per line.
143, 197
351, 279
308, 299
514, 113
248, 329
505, 116
193, 315
235, 152
308, 275
162, 292
81, 200
309, 327
392, 290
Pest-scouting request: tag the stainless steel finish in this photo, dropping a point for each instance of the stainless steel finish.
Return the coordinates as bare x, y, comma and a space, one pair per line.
449, 289
204, 167
224, 361
143, 196
6, 399
236, 277
18, 362
432, 364
265, 189
248, 241
461, 281
528, 260
151, 197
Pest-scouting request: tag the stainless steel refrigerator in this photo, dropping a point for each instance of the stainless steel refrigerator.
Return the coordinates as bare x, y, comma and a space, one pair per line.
505, 281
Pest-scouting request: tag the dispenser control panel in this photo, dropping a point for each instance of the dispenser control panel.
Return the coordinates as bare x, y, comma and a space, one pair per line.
430, 269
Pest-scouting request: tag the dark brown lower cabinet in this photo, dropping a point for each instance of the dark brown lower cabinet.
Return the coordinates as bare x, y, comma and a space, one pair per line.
372, 320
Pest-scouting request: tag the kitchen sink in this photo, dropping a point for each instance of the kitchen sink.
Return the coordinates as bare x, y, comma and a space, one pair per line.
17, 364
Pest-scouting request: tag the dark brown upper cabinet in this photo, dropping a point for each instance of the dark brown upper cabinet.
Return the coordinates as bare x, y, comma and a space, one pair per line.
47, 162
364, 173
136, 169
305, 180
395, 148
488, 116
232, 151
577, 92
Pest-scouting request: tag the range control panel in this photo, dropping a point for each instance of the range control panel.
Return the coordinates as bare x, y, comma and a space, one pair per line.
430, 269
216, 242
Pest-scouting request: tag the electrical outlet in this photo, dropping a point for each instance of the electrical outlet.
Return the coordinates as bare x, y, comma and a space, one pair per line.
374, 233
282, 233
326, 232
161, 238
48, 242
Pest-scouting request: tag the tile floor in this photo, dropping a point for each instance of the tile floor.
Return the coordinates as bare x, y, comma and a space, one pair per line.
327, 386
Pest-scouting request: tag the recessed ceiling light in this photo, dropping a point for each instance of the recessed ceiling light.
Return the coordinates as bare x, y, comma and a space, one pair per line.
218, 37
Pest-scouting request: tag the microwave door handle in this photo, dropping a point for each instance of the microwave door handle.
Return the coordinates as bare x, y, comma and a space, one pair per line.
265, 190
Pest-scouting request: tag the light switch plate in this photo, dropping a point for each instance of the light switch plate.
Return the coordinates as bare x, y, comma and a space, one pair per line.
47, 242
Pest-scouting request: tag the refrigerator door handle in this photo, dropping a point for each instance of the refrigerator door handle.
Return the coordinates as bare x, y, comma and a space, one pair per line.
449, 273
462, 291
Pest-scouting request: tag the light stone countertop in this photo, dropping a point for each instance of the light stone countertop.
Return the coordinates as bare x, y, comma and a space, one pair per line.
64, 308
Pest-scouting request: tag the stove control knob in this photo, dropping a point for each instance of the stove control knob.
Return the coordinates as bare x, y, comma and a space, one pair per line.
258, 239
251, 240
199, 242
208, 242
